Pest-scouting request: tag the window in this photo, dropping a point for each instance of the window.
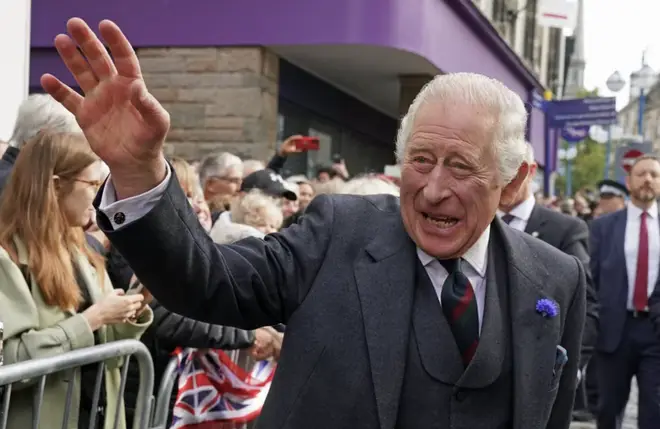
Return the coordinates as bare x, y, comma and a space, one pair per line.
530, 31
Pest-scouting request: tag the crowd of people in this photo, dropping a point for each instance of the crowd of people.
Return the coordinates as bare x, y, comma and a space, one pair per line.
449, 297
64, 286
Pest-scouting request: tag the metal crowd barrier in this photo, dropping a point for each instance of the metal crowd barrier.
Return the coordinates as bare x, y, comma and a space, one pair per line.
39, 369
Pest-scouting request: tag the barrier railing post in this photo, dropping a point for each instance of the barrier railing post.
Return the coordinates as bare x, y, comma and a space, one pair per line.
41, 368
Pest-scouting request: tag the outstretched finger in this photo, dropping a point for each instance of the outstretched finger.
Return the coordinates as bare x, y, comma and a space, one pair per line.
69, 98
75, 62
126, 60
150, 109
97, 55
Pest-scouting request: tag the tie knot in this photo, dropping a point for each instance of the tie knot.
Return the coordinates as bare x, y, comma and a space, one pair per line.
450, 265
644, 215
507, 218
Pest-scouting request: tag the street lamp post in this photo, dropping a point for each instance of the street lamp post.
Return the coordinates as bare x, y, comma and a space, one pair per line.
643, 80
615, 83
568, 155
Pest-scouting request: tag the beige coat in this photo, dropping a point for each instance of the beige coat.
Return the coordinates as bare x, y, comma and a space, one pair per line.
36, 330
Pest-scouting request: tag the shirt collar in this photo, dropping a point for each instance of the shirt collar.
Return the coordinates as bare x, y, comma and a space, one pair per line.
635, 212
523, 210
476, 255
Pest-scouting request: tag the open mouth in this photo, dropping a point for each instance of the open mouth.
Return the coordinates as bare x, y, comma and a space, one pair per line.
441, 221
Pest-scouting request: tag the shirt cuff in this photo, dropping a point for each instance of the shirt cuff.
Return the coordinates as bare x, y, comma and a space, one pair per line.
123, 212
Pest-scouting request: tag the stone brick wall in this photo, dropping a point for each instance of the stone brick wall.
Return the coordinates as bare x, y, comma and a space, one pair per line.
219, 98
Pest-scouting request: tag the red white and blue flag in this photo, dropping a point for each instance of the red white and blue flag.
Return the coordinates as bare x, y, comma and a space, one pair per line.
214, 392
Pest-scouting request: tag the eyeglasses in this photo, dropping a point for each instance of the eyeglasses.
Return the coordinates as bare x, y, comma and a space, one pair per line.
93, 183
232, 180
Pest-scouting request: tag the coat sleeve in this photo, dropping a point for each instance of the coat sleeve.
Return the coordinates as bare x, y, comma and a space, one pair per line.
248, 284
175, 330
560, 416
576, 244
23, 338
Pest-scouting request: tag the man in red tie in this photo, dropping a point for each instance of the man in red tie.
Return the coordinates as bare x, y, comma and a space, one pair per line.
625, 261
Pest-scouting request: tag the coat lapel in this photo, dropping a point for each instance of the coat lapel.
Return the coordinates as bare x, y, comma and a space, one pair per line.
619, 240
385, 276
535, 222
89, 277
534, 338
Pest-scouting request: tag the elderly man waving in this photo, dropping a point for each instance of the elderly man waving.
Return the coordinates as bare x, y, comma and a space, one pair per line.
426, 312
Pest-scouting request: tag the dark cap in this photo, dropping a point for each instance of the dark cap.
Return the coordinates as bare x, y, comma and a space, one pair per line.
268, 182
612, 188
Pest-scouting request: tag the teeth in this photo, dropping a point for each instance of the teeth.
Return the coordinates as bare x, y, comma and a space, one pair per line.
442, 222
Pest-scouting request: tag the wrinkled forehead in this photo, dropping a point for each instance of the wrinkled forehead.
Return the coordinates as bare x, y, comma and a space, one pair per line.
440, 122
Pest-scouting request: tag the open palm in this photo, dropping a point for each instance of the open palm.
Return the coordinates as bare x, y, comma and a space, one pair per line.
124, 124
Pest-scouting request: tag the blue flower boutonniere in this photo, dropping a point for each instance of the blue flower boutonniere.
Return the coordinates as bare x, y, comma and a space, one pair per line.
547, 308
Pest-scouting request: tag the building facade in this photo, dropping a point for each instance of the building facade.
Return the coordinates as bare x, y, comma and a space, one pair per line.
240, 76
542, 49
629, 117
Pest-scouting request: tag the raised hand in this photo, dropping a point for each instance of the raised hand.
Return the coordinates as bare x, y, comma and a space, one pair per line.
124, 124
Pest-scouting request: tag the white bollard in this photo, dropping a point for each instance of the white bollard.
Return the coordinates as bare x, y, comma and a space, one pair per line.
15, 60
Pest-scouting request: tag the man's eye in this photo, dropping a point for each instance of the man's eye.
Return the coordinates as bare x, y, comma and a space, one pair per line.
460, 166
421, 160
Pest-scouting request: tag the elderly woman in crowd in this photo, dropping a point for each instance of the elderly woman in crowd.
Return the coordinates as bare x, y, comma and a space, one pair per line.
55, 295
258, 210
369, 185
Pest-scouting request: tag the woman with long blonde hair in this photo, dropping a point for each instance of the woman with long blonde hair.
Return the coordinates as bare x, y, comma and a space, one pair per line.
55, 295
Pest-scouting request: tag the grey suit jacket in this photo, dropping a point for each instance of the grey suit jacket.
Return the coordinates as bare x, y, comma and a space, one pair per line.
342, 281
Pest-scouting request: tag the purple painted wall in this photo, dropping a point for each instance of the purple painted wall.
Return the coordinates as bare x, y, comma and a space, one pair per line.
430, 28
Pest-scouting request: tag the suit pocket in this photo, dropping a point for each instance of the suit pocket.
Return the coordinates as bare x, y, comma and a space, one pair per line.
561, 358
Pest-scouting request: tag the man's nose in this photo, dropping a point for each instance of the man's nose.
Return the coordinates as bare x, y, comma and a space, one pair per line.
437, 186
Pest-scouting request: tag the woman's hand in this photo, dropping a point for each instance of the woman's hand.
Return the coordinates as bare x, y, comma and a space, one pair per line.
116, 307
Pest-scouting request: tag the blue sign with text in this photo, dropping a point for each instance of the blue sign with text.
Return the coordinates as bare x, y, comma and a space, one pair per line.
581, 112
575, 134
537, 100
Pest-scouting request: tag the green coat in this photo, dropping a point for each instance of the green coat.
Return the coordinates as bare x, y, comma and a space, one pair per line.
34, 329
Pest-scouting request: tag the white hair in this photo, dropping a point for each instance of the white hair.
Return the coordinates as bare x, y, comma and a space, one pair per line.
369, 186
218, 165
41, 112
255, 208
508, 110
227, 233
529, 154
252, 165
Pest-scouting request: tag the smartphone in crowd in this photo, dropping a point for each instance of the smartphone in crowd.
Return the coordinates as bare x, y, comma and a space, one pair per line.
307, 143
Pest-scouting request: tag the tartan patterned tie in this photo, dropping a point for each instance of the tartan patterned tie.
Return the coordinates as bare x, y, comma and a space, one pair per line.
507, 218
459, 305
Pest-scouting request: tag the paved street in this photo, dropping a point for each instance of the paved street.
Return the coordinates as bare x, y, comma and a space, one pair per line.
630, 421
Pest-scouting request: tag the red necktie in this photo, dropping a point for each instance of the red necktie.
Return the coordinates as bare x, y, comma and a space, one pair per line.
641, 294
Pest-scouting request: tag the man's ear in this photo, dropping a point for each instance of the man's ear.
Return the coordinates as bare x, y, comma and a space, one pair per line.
511, 190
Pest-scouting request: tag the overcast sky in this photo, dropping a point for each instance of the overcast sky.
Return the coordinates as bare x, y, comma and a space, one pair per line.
616, 34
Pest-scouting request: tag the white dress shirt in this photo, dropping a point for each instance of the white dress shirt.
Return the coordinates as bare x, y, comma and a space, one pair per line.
631, 247
123, 212
475, 270
520, 213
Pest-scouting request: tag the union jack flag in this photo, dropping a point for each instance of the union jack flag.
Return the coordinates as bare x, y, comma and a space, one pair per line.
215, 393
